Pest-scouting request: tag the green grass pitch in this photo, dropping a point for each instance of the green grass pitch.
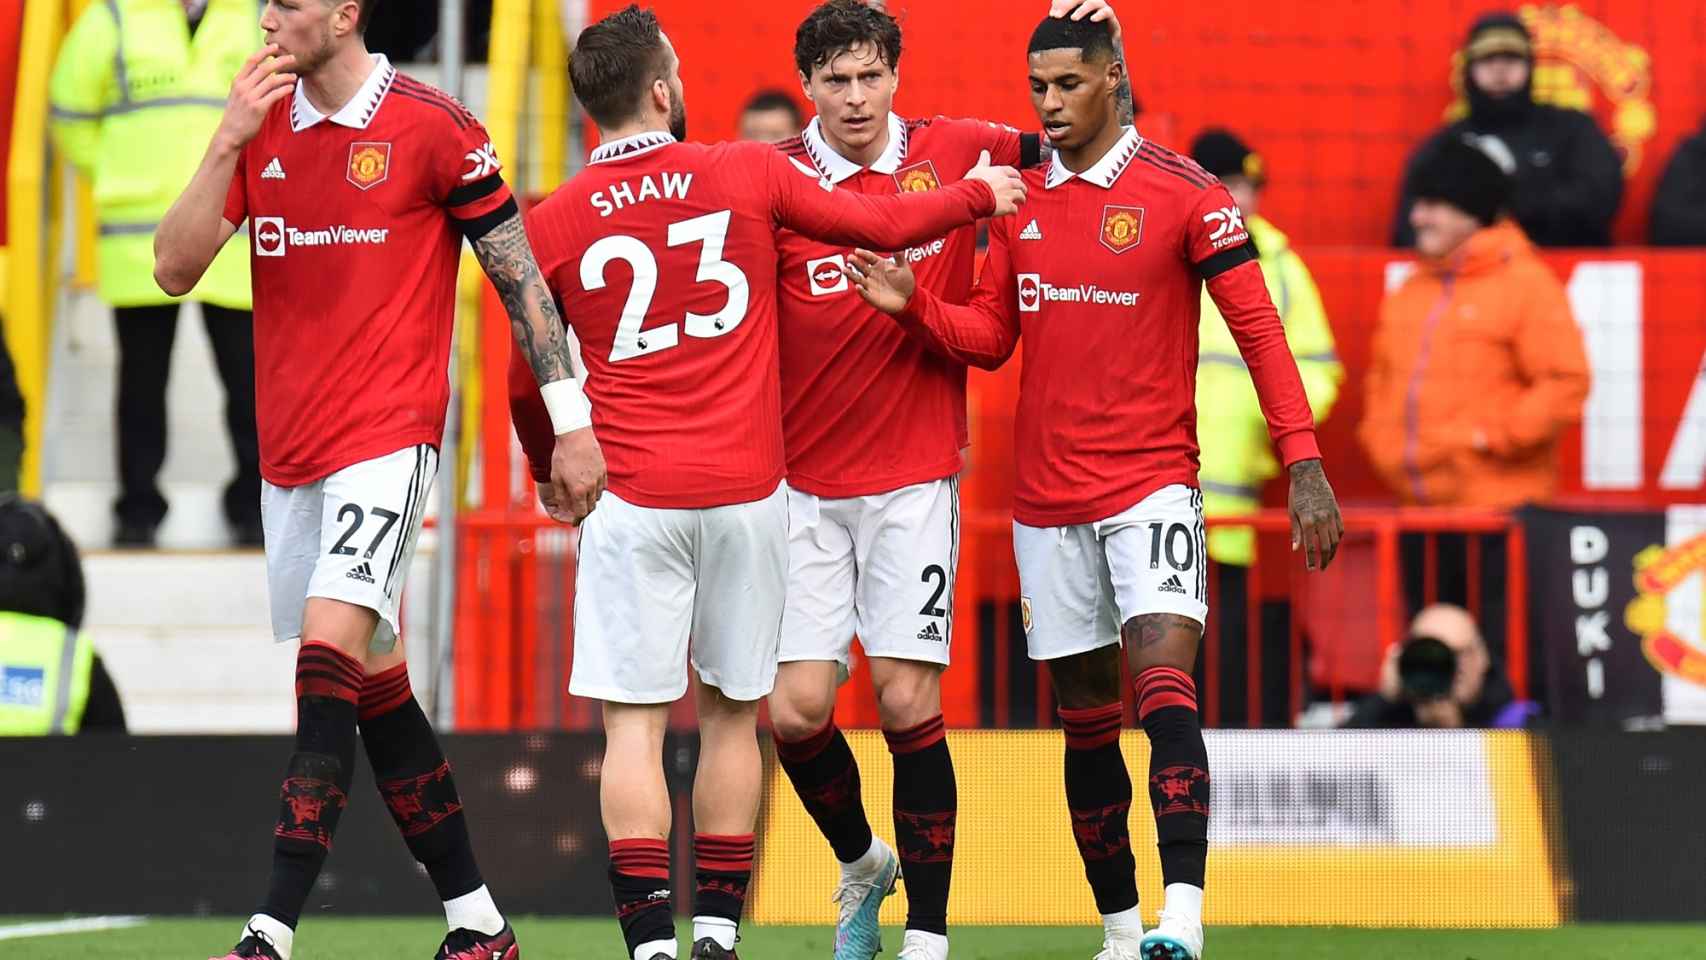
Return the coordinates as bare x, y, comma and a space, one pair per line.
323, 938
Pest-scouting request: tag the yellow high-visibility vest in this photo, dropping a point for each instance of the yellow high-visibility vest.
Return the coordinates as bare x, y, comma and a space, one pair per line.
45, 668
1237, 456
135, 100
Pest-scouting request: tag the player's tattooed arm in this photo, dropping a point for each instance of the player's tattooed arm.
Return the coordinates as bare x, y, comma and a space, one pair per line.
507, 258
1125, 105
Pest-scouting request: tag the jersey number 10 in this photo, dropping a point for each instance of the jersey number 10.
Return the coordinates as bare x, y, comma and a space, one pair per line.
711, 230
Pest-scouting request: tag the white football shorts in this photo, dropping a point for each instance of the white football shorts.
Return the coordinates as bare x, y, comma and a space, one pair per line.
649, 579
1080, 583
881, 567
350, 536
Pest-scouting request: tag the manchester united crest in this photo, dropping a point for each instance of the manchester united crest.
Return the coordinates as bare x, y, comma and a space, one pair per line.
369, 164
919, 176
1660, 571
1122, 228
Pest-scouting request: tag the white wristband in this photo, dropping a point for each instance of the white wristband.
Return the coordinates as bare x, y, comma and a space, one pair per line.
567, 405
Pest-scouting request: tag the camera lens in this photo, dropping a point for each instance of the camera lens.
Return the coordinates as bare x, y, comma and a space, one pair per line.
1426, 668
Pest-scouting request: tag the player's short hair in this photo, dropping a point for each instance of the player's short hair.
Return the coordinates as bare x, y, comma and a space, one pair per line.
837, 26
365, 16
1091, 39
767, 100
615, 61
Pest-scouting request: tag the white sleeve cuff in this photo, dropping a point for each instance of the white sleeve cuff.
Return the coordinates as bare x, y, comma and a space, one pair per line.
567, 405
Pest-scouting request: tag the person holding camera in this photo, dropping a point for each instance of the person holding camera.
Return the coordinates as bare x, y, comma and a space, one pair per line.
1440, 677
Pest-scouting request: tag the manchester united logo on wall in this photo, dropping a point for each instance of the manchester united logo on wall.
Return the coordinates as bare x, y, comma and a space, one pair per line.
1579, 64
369, 164
1658, 572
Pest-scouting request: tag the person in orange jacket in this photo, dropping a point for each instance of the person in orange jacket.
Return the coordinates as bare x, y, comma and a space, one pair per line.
1478, 364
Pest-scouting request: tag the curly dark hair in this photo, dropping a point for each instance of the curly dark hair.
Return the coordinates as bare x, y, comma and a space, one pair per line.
614, 61
839, 25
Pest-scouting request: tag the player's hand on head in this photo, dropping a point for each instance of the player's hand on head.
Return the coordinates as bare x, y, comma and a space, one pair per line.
1316, 526
577, 476
883, 283
264, 80
1008, 186
1096, 10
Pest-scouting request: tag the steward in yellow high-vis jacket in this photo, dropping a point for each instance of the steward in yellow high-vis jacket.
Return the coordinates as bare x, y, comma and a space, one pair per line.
1237, 456
51, 681
137, 91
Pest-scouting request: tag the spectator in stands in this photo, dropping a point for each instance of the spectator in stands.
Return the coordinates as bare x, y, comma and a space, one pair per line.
11, 418
137, 91
1569, 180
51, 681
771, 116
1237, 456
1478, 365
1679, 207
1441, 676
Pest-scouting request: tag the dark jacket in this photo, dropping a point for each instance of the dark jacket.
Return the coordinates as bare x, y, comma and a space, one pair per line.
1375, 712
1569, 180
11, 401
1679, 207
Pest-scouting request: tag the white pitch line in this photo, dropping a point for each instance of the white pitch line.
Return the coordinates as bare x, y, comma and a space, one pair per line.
80, 925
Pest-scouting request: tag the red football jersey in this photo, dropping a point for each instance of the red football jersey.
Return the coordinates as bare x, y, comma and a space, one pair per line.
662, 256
1102, 273
866, 408
356, 223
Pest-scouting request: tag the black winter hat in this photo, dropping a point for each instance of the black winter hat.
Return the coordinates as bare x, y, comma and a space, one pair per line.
40, 572
1462, 174
1498, 33
1221, 153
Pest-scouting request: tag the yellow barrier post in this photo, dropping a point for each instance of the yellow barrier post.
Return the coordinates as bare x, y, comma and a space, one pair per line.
550, 59
29, 261
86, 229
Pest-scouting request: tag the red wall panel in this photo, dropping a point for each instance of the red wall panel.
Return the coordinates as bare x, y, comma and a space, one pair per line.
1333, 92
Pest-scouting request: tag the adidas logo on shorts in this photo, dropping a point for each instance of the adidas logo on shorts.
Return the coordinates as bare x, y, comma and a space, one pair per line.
364, 573
1173, 585
931, 632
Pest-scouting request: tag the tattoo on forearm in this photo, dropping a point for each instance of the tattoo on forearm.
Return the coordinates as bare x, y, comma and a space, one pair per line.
533, 318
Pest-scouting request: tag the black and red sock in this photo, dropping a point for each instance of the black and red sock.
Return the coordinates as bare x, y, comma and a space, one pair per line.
316, 784
926, 808
823, 773
415, 782
1098, 795
1178, 772
639, 880
722, 869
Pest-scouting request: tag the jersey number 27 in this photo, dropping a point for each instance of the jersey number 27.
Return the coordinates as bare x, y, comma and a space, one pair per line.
711, 230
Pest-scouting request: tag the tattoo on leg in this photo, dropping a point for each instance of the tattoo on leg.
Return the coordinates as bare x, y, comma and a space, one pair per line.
1142, 634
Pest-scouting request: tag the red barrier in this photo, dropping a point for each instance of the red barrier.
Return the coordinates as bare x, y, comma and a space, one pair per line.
515, 636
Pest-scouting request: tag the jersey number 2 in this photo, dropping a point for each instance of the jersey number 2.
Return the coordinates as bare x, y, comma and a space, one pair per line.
711, 230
